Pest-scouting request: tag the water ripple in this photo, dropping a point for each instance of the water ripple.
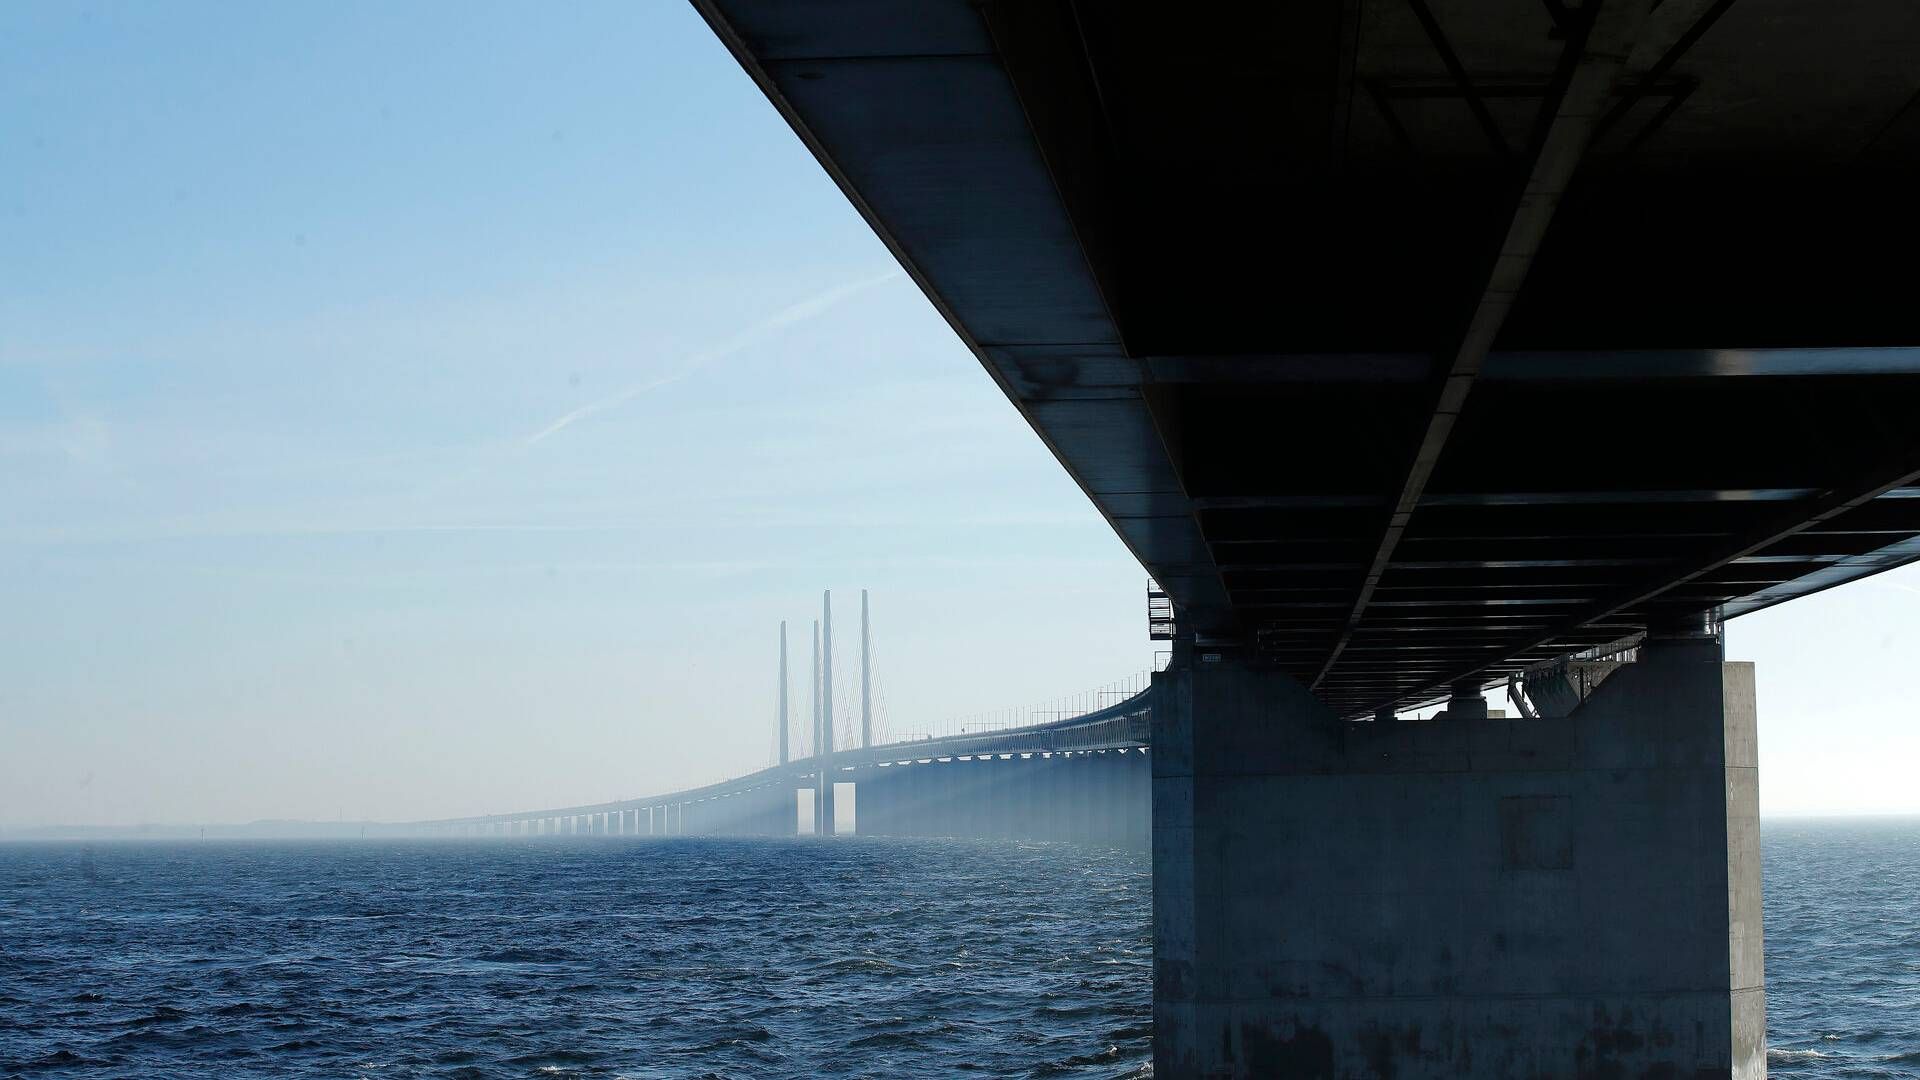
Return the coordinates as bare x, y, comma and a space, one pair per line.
858, 957
587, 958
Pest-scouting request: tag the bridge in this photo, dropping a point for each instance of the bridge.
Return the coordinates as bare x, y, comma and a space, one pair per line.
1416, 346
1081, 776
1412, 346
1082, 779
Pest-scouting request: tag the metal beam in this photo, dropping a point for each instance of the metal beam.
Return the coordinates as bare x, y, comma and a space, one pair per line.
1827, 507
1593, 60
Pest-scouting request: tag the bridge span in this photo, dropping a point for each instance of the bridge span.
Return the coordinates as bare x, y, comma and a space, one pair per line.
1410, 344
1082, 779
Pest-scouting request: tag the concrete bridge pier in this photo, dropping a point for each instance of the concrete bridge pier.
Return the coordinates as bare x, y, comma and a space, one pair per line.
1043, 797
984, 796
923, 798
1137, 800
947, 809
908, 796
999, 796
930, 798
1570, 896
1106, 802
823, 808
778, 813
916, 800
1080, 797
976, 771
1018, 794
874, 793
868, 798
926, 793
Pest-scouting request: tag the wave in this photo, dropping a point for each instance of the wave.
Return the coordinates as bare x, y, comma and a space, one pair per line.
528, 956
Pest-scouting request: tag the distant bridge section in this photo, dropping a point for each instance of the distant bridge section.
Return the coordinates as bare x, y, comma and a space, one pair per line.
1085, 779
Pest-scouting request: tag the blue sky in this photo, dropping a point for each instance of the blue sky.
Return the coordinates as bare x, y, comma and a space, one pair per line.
433, 408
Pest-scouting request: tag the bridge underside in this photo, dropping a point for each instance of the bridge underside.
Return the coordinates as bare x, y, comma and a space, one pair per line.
1408, 341
1409, 344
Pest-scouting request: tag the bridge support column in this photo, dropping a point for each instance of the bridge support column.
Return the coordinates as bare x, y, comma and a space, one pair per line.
1576, 896
1080, 797
868, 816
1137, 802
951, 796
825, 808
1106, 804
903, 801
1045, 791
998, 790
975, 807
870, 794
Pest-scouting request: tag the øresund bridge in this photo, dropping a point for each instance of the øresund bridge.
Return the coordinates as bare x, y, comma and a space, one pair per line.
1083, 777
1413, 347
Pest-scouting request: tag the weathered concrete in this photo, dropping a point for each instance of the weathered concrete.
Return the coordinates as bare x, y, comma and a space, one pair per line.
1494, 897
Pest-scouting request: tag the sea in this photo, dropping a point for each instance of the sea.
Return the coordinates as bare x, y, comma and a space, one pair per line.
734, 958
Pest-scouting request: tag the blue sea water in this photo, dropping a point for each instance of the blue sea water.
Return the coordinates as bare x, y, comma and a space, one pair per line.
589, 958
856, 957
1843, 947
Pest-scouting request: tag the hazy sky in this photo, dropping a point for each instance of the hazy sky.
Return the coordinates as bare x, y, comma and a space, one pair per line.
423, 409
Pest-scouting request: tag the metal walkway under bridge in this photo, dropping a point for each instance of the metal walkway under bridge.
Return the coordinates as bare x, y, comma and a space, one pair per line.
1086, 779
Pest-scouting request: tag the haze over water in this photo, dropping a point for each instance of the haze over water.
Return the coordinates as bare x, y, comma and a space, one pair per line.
855, 957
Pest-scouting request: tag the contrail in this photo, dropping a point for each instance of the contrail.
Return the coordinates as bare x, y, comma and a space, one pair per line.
752, 335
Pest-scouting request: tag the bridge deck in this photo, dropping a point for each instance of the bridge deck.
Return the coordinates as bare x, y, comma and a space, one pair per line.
1417, 341
1122, 725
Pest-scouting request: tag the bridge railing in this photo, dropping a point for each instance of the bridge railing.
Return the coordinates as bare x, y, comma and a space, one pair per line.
1056, 710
